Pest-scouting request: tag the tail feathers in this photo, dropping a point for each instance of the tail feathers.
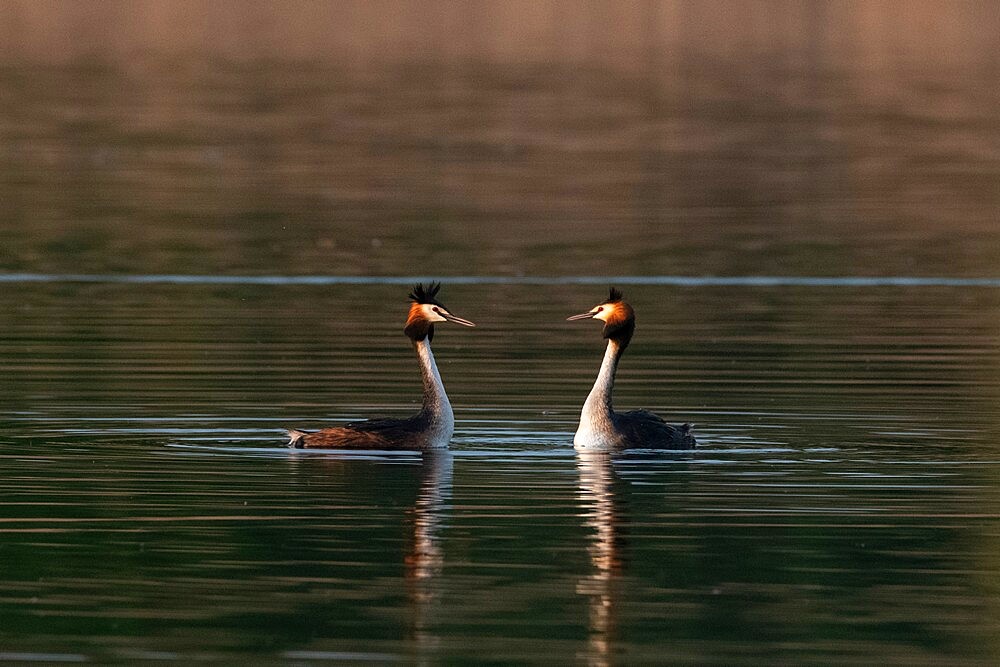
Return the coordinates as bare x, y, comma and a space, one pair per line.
687, 438
296, 438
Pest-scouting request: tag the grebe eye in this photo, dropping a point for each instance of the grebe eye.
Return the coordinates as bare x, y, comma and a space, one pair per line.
600, 308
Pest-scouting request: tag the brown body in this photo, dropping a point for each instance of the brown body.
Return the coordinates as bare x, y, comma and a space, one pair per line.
372, 434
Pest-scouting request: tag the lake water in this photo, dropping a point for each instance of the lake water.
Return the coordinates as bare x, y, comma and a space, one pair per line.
841, 504
210, 219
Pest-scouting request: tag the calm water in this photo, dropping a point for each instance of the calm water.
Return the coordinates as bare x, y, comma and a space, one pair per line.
800, 200
842, 503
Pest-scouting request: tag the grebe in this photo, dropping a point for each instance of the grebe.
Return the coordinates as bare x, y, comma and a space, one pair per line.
432, 427
601, 428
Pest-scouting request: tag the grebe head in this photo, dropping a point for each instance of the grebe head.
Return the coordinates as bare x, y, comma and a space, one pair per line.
425, 311
618, 317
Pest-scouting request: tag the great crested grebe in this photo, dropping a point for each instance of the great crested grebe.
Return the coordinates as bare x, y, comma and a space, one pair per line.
432, 427
601, 428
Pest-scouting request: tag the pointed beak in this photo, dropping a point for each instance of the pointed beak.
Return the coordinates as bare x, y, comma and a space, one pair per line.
581, 316
456, 320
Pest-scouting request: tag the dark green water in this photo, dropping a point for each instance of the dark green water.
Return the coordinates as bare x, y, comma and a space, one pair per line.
842, 503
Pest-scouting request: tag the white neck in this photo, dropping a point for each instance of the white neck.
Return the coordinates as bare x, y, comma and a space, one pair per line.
436, 403
596, 430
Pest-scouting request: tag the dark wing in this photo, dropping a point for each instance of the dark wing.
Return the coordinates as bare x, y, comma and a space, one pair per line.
371, 434
642, 428
390, 428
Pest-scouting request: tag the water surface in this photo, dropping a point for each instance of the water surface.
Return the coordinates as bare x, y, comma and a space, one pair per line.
841, 503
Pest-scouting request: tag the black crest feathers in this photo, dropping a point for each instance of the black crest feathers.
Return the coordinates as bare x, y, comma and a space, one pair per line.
418, 328
421, 294
614, 295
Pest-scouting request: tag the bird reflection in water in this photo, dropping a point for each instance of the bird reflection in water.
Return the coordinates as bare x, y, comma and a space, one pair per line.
425, 491
601, 514
424, 557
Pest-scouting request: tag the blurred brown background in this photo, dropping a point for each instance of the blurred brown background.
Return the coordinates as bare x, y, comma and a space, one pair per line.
511, 138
